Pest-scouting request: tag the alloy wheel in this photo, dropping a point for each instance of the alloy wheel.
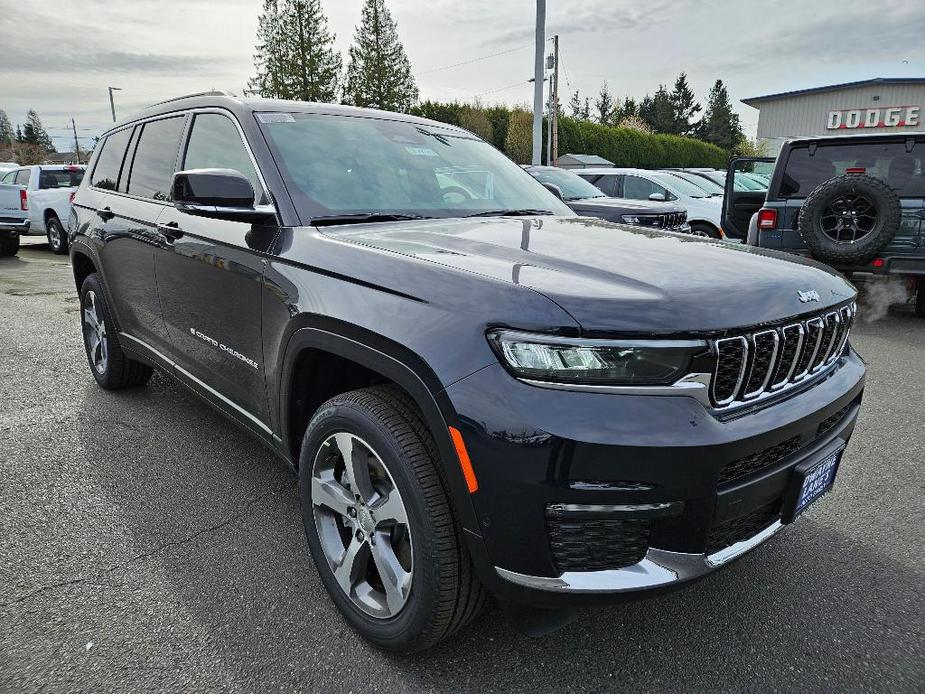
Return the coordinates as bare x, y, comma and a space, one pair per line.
54, 236
848, 218
95, 334
362, 525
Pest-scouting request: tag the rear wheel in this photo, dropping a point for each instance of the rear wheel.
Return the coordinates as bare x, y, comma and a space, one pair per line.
704, 229
57, 237
109, 365
9, 246
379, 524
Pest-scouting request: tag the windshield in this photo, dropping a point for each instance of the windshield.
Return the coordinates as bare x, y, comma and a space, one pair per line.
573, 186
679, 186
338, 166
707, 185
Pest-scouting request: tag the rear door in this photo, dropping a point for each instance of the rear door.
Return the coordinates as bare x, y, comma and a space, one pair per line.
210, 277
744, 196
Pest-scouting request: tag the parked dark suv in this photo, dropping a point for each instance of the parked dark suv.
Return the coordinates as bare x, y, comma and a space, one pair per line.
854, 202
482, 393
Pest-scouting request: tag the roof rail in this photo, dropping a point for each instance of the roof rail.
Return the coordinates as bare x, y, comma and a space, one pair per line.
213, 92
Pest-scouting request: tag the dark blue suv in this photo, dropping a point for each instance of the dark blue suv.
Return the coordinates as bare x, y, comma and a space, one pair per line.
856, 203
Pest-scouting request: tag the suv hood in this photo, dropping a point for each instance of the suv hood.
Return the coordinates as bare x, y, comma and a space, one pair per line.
614, 278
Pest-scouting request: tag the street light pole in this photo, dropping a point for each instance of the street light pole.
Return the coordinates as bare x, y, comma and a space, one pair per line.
112, 104
539, 52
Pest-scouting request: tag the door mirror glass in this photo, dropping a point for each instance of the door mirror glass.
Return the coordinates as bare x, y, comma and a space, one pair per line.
554, 189
657, 197
218, 194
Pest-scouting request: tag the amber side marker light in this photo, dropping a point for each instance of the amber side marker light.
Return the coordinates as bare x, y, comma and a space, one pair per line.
464, 461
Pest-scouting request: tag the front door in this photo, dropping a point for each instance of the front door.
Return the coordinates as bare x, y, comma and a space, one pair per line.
210, 277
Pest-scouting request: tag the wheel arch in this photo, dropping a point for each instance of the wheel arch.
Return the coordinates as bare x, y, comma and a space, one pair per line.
83, 266
374, 360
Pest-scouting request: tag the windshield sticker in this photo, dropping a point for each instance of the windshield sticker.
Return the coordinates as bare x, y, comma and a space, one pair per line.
421, 151
275, 118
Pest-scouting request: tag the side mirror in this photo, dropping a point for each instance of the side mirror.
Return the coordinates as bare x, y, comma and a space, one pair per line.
218, 194
554, 189
657, 197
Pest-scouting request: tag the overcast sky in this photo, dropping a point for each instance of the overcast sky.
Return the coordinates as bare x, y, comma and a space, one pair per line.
59, 56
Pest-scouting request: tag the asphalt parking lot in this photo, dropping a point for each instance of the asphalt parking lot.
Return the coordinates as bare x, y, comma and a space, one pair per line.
148, 545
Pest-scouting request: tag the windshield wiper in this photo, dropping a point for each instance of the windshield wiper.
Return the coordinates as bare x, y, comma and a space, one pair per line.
363, 217
508, 213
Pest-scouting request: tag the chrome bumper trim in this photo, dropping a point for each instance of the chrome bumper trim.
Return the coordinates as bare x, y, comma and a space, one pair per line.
16, 226
659, 568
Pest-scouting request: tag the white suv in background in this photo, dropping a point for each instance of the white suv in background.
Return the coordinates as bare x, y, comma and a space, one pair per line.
49, 190
704, 210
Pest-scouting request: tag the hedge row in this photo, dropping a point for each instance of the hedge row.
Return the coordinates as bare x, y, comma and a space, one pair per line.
622, 146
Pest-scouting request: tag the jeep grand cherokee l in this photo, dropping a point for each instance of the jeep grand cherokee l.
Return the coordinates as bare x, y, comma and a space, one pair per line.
481, 392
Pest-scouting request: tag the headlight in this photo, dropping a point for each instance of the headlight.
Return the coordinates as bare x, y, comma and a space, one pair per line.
594, 362
630, 219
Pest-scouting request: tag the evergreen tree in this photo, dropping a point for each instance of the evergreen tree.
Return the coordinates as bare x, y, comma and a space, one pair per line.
685, 108
6, 129
629, 109
605, 106
574, 105
34, 133
269, 82
720, 125
295, 56
379, 72
658, 111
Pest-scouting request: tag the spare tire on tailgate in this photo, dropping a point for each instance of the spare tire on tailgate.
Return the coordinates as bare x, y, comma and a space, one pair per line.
849, 219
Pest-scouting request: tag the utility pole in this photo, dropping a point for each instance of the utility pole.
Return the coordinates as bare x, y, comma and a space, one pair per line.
112, 104
76, 142
538, 56
554, 135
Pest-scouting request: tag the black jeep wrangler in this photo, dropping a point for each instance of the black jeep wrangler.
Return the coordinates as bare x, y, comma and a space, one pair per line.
481, 392
854, 202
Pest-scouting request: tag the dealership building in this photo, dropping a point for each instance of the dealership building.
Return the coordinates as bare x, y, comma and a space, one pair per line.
881, 105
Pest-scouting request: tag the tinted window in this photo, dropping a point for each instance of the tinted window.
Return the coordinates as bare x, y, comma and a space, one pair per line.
888, 161
106, 172
22, 177
60, 178
155, 158
216, 144
636, 188
573, 186
606, 184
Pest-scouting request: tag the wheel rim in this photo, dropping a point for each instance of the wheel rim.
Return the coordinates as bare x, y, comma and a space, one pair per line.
54, 236
95, 334
362, 525
849, 218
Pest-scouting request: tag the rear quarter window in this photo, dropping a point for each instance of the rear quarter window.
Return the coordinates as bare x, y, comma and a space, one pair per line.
63, 178
903, 171
156, 158
109, 163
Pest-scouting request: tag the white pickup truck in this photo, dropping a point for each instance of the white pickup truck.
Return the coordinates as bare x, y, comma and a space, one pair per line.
14, 217
48, 190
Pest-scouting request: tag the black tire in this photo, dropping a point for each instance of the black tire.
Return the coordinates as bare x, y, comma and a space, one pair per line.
9, 246
920, 299
704, 229
118, 371
57, 237
445, 594
819, 212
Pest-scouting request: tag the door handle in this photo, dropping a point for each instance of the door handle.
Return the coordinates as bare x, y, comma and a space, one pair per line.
171, 230
105, 214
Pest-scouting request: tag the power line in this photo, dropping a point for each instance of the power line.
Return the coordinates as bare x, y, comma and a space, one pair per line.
475, 60
501, 89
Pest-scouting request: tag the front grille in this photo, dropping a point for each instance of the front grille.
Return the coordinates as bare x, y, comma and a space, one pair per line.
749, 464
728, 533
595, 544
747, 366
830, 422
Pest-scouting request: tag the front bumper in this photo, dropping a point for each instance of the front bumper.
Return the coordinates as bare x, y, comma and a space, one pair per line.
534, 448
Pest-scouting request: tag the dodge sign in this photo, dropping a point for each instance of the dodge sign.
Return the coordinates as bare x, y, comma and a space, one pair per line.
884, 117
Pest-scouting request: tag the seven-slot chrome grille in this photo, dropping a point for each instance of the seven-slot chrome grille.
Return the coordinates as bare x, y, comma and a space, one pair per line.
749, 366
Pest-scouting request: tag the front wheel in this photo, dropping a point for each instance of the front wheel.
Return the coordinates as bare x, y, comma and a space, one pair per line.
703, 229
109, 365
379, 524
57, 237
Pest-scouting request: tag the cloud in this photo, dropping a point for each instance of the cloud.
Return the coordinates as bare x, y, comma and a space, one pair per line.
59, 61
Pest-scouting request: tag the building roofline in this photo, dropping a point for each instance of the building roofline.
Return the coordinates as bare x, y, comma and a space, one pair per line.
753, 100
